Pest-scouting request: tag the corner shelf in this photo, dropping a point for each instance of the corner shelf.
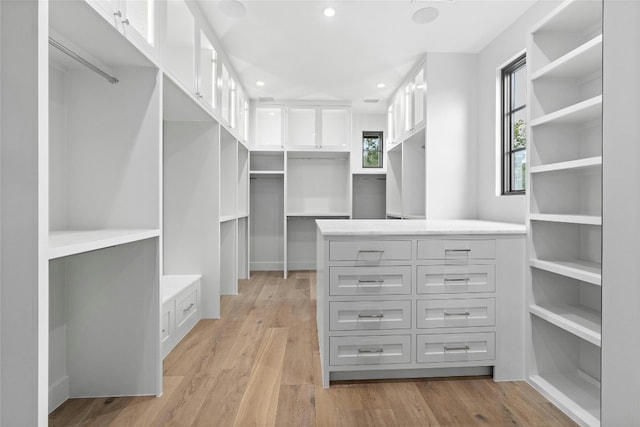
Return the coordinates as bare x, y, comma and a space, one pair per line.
73, 242
585, 271
581, 321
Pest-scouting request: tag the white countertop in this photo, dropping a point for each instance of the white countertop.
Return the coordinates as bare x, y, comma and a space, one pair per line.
382, 227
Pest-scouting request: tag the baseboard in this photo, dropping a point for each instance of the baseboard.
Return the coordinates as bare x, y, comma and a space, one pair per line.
266, 266
411, 373
301, 265
58, 393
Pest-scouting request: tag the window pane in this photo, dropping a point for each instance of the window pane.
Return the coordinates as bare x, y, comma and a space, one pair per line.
372, 149
520, 87
519, 135
519, 167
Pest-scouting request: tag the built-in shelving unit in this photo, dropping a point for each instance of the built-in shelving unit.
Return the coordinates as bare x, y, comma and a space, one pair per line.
565, 208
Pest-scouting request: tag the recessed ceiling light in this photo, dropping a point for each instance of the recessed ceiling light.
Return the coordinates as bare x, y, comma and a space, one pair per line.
260, 83
381, 85
425, 15
329, 12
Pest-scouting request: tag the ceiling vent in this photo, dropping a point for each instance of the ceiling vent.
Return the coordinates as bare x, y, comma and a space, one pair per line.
265, 99
371, 101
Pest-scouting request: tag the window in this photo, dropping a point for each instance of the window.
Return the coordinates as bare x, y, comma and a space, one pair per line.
514, 126
371, 149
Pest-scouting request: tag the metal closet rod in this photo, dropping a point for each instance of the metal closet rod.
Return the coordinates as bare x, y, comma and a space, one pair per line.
62, 48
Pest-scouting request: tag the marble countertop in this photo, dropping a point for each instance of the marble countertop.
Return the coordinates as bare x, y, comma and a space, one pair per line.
365, 227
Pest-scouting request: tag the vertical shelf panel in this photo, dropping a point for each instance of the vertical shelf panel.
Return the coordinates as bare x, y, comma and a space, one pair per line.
228, 175
267, 222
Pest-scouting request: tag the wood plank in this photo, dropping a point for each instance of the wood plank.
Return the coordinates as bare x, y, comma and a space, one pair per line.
260, 402
296, 406
409, 408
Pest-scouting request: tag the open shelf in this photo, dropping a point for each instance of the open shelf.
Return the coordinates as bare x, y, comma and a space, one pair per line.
580, 321
572, 391
72, 242
318, 215
573, 16
570, 165
581, 112
585, 271
580, 62
265, 172
570, 219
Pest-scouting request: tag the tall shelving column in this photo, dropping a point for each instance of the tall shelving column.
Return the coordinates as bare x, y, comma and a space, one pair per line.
565, 208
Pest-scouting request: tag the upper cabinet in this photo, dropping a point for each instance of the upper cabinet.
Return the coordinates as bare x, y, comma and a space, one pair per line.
178, 45
407, 107
302, 127
136, 19
207, 72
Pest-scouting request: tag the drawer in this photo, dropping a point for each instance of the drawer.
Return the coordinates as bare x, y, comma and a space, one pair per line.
385, 280
442, 279
188, 306
370, 250
372, 315
455, 347
456, 249
455, 313
372, 350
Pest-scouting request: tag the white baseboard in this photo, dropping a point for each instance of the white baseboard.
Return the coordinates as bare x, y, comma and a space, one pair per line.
58, 393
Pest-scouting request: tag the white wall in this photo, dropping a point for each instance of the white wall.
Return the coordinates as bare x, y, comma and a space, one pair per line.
368, 122
500, 50
451, 136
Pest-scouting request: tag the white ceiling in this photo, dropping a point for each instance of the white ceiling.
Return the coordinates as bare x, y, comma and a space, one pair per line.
301, 54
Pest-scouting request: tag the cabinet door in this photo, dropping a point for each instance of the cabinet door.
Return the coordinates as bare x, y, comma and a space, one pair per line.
419, 99
207, 71
336, 127
301, 128
178, 48
398, 110
225, 94
268, 133
138, 22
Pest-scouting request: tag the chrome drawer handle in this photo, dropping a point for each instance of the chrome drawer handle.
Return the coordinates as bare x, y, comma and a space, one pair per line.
370, 251
465, 347
188, 308
458, 250
374, 351
465, 280
370, 316
464, 313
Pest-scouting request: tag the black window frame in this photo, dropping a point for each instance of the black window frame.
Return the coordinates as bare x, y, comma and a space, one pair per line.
377, 134
508, 111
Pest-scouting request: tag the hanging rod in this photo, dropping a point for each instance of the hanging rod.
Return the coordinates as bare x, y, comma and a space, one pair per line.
62, 48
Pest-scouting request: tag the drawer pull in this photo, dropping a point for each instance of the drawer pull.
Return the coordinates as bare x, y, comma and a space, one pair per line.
463, 313
458, 250
458, 348
370, 351
188, 308
369, 282
370, 316
370, 251
465, 280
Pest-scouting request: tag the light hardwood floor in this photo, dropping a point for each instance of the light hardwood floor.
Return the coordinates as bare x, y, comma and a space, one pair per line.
259, 366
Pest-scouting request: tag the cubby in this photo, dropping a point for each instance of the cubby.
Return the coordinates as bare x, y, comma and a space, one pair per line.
369, 196
394, 182
565, 208
414, 176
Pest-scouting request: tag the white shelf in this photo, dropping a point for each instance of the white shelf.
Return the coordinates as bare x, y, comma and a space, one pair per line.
65, 243
578, 320
266, 172
570, 219
394, 215
172, 285
585, 271
590, 162
227, 218
581, 112
581, 61
571, 16
318, 214
574, 392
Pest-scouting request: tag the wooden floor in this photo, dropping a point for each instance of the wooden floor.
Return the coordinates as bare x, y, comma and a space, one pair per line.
259, 366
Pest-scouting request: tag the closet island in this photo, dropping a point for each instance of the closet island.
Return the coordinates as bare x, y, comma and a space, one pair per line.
420, 298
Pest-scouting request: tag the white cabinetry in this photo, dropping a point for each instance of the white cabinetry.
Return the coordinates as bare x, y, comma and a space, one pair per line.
407, 108
565, 208
268, 128
181, 308
415, 298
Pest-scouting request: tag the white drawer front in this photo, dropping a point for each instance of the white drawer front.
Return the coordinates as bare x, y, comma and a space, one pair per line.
456, 313
456, 249
385, 280
188, 306
167, 321
440, 279
373, 350
370, 251
374, 315
455, 347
